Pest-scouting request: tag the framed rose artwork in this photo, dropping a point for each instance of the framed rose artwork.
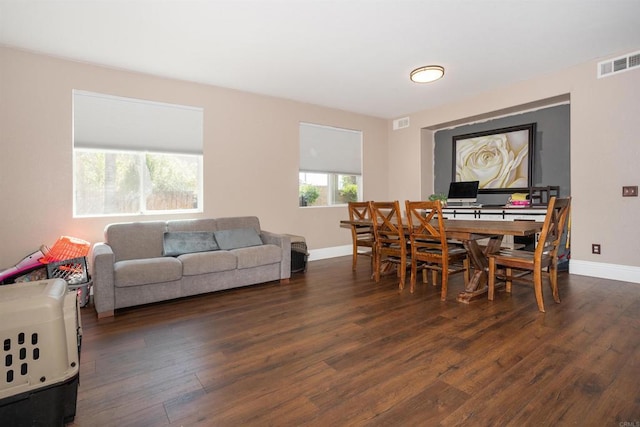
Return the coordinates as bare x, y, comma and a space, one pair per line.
501, 159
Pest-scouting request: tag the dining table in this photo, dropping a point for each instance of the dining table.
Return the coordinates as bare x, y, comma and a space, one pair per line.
470, 232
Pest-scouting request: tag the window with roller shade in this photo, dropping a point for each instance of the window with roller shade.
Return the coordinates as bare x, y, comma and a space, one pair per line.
330, 171
133, 156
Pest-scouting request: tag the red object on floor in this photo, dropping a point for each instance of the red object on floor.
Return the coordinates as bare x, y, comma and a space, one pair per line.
66, 248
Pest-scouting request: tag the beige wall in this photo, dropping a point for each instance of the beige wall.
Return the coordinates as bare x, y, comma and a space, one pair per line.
250, 153
605, 155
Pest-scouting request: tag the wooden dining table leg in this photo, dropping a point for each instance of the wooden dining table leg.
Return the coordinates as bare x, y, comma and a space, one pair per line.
478, 256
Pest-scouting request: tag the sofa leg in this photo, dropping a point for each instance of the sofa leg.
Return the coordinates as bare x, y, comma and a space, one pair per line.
284, 281
105, 314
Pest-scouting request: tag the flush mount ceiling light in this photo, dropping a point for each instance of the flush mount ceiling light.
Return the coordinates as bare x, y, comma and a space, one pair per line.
427, 74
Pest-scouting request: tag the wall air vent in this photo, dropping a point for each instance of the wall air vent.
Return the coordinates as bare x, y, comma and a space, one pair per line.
618, 65
401, 123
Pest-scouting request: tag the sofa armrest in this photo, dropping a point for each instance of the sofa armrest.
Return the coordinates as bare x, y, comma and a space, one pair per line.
102, 261
284, 242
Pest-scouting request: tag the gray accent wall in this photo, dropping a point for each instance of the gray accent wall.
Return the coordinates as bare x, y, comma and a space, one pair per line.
551, 149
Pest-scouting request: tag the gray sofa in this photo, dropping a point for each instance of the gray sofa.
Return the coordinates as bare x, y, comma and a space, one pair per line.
145, 262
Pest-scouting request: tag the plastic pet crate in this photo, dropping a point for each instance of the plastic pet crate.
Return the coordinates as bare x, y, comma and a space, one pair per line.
67, 248
74, 272
299, 254
40, 334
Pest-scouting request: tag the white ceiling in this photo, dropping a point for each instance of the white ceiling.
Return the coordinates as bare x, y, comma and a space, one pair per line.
354, 55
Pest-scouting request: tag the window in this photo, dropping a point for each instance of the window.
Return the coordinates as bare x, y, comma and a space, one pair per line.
125, 183
330, 165
135, 157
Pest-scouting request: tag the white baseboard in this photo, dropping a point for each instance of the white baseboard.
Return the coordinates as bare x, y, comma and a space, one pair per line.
623, 273
333, 252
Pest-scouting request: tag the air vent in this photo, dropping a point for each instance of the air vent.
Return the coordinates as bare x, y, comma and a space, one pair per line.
618, 65
401, 123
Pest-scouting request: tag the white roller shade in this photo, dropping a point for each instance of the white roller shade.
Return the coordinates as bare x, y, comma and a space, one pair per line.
330, 150
116, 123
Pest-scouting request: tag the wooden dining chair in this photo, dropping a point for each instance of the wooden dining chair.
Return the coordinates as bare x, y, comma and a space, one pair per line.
430, 249
362, 235
544, 257
391, 244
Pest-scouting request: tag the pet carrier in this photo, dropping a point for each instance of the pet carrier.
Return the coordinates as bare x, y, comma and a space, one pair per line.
299, 254
40, 332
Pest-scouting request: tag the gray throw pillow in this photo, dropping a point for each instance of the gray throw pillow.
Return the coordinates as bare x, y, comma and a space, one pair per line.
237, 238
186, 242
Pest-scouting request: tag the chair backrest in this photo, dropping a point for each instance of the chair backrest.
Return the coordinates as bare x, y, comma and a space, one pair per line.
387, 224
426, 225
360, 211
554, 222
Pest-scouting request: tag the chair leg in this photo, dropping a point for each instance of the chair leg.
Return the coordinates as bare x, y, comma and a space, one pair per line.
445, 280
376, 269
414, 272
354, 262
403, 272
508, 272
537, 286
492, 278
373, 257
553, 279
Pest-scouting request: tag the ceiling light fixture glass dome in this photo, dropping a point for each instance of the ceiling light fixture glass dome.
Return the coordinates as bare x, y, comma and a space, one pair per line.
427, 74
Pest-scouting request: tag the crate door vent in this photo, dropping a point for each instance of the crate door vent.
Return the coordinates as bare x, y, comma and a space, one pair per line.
19, 353
618, 65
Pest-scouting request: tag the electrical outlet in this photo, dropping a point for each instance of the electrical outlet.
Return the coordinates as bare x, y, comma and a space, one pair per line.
630, 191
595, 248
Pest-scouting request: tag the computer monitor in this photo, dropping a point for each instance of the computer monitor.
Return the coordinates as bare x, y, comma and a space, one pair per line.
465, 192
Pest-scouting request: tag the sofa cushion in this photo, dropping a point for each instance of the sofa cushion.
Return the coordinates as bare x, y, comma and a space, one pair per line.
255, 256
207, 262
135, 240
186, 242
146, 271
228, 223
237, 238
198, 224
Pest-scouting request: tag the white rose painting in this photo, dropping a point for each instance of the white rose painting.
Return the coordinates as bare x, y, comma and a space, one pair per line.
497, 160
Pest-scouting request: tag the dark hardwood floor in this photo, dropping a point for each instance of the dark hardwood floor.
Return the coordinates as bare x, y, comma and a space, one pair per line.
332, 348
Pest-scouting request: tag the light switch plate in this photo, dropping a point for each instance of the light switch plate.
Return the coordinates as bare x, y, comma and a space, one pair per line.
630, 191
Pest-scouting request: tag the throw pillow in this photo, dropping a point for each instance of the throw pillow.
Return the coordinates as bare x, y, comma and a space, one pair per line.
237, 238
186, 242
